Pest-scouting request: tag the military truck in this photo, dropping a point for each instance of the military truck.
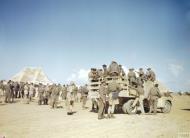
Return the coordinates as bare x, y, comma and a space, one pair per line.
128, 95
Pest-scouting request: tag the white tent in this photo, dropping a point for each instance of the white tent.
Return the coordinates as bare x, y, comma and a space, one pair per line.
31, 75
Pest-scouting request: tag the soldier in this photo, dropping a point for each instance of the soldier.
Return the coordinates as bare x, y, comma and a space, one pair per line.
75, 90
31, 91
100, 73
8, 92
102, 100
40, 93
114, 69
84, 93
46, 94
105, 71
16, 89
21, 90
113, 90
140, 80
93, 74
70, 98
64, 92
1, 90
55, 96
150, 75
154, 94
121, 71
12, 91
140, 97
131, 77
26, 92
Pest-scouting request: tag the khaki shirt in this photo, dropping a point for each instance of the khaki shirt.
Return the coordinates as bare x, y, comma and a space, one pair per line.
103, 91
154, 92
113, 87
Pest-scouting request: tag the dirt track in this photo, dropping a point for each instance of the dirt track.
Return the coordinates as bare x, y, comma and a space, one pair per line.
32, 121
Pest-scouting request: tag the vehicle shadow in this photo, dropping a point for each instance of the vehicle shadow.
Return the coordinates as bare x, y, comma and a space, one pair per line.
186, 109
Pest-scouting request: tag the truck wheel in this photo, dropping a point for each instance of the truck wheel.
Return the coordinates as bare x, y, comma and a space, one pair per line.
167, 107
128, 109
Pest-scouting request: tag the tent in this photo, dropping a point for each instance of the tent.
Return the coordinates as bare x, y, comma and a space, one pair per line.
31, 75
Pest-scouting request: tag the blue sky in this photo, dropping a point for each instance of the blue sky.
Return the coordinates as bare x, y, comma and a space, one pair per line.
67, 37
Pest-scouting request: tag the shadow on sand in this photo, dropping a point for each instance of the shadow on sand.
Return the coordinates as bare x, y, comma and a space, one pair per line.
186, 109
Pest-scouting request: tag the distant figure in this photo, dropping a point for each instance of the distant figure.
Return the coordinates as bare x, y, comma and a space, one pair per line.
54, 96
131, 77
31, 91
46, 94
26, 93
154, 94
102, 100
8, 92
150, 75
40, 94
2, 88
84, 93
16, 89
70, 98
114, 69
64, 92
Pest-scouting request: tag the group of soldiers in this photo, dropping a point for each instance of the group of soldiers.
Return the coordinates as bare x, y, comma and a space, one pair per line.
46, 94
108, 92
113, 70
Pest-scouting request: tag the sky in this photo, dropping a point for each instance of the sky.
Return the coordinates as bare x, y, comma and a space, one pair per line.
68, 37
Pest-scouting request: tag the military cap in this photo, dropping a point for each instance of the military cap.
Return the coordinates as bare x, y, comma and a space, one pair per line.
140, 68
148, 68
104, 65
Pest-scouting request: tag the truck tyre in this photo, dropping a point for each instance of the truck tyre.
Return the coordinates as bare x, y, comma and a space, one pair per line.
128, 109
167, 107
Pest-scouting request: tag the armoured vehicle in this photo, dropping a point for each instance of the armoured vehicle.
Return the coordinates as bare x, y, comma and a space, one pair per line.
128, 95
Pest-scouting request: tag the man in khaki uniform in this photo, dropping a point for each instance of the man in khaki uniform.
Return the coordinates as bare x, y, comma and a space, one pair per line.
8, 92
102, 100
131, 77
113, 90
55, 96
64, 92
154, 94
105, 71
140, 97
100, 73
70, 98
40, 93
113, 69
1, 91
93, 74
84, 93
150, 75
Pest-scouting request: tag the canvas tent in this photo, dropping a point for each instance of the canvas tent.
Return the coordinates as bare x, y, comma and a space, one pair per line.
32, 75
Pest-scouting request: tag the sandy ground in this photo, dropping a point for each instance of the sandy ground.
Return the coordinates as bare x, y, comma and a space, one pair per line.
20, 120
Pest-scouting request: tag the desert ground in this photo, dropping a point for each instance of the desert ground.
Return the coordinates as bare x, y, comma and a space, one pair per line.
20, 120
